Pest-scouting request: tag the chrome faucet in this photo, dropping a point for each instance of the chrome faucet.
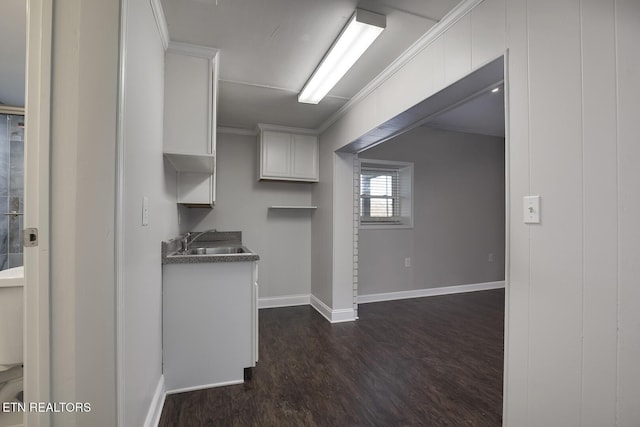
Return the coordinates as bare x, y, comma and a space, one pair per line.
188, 239
185, 241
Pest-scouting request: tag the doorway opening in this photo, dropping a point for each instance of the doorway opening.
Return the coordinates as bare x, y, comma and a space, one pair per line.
468, 113
11, 187
13, 20
445, 230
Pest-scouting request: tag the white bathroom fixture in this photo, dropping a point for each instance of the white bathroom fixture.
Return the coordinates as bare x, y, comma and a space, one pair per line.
11, 332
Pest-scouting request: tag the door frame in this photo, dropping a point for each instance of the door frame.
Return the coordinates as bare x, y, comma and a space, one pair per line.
37, 298
354, 208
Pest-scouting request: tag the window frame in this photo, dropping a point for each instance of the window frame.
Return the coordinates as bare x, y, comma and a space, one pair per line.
404, 198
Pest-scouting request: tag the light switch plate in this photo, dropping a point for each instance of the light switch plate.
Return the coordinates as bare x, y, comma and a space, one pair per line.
145, 210
532, 210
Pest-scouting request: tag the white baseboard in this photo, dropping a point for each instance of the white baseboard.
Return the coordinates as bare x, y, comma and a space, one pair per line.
201, 387
157, 403
333, 316
419, 293
284, 301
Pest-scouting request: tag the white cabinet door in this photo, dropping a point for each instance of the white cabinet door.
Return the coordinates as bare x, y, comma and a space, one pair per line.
196, 189
304, 150
288, 156
187, 111
208, 324
276, 154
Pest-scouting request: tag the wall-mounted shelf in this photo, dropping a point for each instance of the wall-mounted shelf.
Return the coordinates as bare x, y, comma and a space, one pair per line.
204, 163
293, 207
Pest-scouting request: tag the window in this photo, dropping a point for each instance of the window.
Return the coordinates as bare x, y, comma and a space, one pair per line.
385, 194
379, 195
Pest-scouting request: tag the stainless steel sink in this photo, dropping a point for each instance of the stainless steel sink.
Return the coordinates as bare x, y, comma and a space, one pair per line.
223, 250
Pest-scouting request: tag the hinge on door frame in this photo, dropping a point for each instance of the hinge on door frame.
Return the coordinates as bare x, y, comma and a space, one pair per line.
30, 237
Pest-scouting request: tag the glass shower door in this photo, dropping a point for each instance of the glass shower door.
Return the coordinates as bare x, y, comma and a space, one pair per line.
11, 189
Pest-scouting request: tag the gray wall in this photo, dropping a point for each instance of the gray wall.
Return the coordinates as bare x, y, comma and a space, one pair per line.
281, 237
146, 173
322, 228
458, 215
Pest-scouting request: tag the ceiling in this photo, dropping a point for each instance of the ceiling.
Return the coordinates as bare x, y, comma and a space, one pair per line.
482, 114
13, 30
269, 48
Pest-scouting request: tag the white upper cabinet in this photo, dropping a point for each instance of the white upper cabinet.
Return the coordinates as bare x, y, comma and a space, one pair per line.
304, 151
289, 154
190, 100
276, 154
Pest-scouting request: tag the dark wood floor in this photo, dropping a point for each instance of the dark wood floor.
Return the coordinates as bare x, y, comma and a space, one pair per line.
434, 361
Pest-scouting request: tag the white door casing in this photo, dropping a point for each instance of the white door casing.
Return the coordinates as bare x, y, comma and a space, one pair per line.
37, 378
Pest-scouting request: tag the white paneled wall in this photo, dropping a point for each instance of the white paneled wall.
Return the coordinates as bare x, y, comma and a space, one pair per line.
457, 50
487, 31
518, 185
555, 294
573, 137
600, 212
627, 32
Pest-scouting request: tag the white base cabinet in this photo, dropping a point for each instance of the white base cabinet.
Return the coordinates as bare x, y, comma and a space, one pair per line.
210, 323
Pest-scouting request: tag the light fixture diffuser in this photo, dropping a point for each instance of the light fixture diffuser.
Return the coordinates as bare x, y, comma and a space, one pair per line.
359, 33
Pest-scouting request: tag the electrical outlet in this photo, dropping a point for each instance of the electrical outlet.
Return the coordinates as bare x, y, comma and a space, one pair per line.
407, 262
490, 258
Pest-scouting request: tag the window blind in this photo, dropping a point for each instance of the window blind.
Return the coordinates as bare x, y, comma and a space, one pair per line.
379, 194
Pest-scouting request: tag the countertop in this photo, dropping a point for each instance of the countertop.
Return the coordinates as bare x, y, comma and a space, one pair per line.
211, 239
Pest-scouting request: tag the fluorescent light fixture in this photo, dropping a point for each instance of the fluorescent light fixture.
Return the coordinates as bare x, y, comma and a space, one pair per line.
361, 30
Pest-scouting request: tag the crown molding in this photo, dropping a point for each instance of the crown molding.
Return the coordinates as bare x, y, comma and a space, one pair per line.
422, 43
236, 131
193, 50
161, 22
277, 128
